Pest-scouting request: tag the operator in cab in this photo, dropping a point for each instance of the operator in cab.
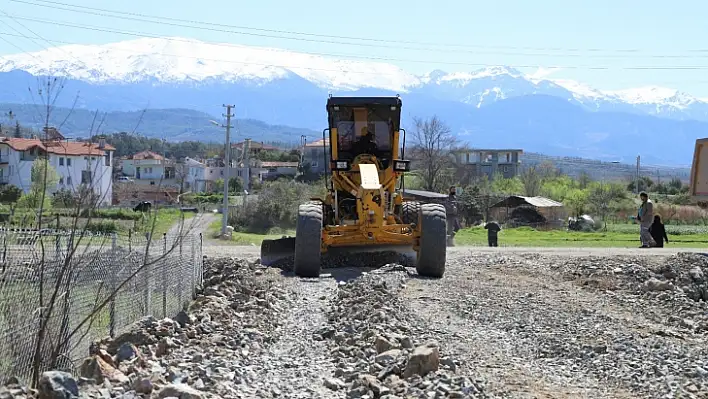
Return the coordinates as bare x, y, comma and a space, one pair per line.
366, 143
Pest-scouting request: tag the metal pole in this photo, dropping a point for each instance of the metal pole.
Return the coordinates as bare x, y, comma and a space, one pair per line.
636, 184
227, 159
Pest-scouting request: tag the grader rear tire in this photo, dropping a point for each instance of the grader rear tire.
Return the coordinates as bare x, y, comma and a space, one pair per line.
308, 240
409, 212
432, 250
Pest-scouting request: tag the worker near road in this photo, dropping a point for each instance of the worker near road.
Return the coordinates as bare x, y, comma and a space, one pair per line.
645, 216
453, 224
658, 232
493, 230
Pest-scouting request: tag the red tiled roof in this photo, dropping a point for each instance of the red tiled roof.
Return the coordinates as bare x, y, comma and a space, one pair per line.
148, 155
276, 164
56, 147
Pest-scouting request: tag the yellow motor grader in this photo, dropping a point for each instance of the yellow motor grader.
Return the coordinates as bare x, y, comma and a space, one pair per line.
364, 208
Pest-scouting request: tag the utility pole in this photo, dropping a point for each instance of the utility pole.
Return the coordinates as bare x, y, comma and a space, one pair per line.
636, 183
227, 169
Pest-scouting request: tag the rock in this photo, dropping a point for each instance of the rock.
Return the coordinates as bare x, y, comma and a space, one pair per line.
334, 384
180, 391
184, 319
127, 351
57, 385
388, 356
143, 386
425, 358
97, 369
654, 284
382, 344
696, 274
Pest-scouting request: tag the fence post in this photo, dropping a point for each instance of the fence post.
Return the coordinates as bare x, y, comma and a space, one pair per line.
164, 275
112, 286
180, 277
148, 277
194, 269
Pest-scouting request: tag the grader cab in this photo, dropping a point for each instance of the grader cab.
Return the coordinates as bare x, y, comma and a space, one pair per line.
364, 208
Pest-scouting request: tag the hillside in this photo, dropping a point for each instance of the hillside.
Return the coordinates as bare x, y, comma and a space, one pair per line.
169, 124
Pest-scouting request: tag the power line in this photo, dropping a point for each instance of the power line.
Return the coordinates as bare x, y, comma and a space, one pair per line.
149, 35
219, 28
99, 11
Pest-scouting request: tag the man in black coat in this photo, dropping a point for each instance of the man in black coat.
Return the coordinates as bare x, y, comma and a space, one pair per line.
493, 229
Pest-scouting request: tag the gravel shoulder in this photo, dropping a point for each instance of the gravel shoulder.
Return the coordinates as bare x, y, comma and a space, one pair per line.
554, 326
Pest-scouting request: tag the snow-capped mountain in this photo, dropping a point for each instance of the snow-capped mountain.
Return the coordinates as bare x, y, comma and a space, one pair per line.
496, 106
176, 60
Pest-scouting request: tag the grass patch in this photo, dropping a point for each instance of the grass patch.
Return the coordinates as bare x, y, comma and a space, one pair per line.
528, 237
241, 238
164, 219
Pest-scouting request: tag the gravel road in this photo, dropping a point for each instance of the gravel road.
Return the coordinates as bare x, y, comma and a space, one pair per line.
501, 323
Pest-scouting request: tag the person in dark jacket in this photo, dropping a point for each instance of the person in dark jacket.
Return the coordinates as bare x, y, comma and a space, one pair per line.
493, 229
658, 232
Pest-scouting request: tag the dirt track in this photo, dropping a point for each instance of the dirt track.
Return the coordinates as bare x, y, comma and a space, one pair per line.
555, 322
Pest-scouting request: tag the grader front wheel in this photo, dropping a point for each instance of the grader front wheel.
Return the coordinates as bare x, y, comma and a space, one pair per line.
308, 240
433, 237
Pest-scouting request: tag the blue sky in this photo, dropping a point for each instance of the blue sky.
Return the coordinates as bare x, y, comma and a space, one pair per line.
516, 33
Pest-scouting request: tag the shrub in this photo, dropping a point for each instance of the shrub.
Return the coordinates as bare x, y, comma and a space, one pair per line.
276, 206
103, 226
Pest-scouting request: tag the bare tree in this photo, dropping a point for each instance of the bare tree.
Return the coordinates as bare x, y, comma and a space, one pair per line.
532, 181
59, 329
433, 145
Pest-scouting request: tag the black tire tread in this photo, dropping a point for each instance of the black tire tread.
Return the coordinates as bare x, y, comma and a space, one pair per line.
410, 211
433, 238
308, 239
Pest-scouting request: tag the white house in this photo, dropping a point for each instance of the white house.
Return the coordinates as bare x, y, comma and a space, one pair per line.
194, 175
147, 167
76, 163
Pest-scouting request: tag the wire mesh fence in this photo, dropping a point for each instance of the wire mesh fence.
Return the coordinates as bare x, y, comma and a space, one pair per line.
85, 287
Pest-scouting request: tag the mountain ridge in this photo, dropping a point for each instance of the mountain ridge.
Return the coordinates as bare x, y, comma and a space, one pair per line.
145, 74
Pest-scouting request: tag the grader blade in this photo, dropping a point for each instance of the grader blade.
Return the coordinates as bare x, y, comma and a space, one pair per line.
273, 251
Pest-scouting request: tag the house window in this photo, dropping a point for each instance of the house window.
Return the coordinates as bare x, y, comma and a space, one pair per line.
152, 183
108, 160
505, 169
68, 180
314, 164
61, 161
85, 177
68, 162
221, 173
61, 180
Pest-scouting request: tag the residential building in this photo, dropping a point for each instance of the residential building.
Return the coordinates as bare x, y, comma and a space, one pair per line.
194, 175
316, 155
76, 163
266, 170
254, 147
476, 163
147, 167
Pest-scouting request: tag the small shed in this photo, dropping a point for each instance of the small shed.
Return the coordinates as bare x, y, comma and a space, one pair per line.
553, 212
425, 196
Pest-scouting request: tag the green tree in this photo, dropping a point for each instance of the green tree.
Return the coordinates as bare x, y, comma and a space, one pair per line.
577, 200
18, 132
502, 185
44, 179
532, 181
10, 194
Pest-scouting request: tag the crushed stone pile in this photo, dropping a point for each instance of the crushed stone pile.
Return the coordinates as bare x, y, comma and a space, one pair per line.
379, 348
203, 352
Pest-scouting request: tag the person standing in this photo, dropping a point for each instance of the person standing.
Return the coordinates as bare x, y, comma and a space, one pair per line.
658, 232
645, 216
493, 230
453, 224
